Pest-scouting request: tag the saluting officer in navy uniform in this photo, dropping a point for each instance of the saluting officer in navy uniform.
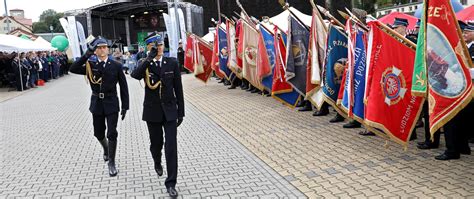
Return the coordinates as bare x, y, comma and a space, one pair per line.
163, 107
104, 74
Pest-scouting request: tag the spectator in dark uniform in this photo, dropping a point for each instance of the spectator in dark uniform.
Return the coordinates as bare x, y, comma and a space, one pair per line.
458, 130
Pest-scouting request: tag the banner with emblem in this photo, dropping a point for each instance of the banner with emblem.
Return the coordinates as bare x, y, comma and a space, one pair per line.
336, 52
232, 49
203, 56
448, 63
281, 90
189, 53
297, 52
198, 57
223, 51
390, 105
266, 58
249, 54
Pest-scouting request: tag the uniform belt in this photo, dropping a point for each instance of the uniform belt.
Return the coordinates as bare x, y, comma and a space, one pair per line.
103, 95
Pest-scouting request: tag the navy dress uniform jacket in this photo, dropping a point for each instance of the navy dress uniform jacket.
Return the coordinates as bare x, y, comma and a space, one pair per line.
111, 74
169, 104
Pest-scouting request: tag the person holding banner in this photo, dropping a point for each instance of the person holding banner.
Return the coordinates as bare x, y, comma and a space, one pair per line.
163, 108
103, 75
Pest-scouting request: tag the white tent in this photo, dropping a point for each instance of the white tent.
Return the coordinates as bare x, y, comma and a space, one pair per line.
12, 43
209, 37
281, 20
43, 42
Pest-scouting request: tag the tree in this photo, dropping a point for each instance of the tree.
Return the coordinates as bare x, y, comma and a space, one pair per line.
48, 18
40, 27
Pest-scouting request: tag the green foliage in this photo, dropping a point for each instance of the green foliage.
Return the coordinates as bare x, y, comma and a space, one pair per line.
48, 18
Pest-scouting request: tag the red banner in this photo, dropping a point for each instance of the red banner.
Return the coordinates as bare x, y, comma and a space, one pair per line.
203, 56
279, 82
448, 63
263, 61
188, 59
390, 105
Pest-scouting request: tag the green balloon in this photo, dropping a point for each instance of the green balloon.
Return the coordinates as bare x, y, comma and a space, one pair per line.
60, 42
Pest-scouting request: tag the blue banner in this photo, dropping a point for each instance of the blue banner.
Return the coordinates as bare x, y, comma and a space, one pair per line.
297, 56
336, 51
269, 45
359, 75
223, 53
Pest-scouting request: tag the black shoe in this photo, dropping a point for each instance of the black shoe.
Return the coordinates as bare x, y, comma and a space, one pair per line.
413, 136
466, 152
244, 87
172, 191
232, 87
105, 146
158, 169
471, 140
321, 113
366, 133
426, 146
226, 83
447, 157
352, 124
337, 118
300, 104
305, 108
112, 149
255, 90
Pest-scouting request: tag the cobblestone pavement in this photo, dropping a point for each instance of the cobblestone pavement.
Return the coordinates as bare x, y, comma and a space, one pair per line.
323, 159
47, 148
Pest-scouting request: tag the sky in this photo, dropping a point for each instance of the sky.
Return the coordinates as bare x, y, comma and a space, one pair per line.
34, 8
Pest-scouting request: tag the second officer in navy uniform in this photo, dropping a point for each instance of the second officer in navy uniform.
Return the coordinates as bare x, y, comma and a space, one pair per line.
163, 107
104, 74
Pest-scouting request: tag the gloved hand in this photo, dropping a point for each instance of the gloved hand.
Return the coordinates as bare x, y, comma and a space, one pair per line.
91, 46
152, 54
123, 113
180, 120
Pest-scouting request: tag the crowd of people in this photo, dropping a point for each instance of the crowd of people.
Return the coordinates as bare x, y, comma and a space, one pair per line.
25, 70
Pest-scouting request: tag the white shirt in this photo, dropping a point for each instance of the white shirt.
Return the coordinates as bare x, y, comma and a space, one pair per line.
105, 61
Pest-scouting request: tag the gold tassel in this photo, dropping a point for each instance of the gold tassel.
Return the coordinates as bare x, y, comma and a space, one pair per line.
148, 83
89, 74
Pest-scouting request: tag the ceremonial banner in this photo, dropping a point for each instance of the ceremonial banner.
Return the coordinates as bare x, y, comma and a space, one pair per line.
266, 58
316, 54
240, 43
359, 70
215, 58
281, 90
420, 83
354, 87
297, 52
232, 49
333, 71
390, 106
202, 57
249, 56
189, 53
223, 52
448, 63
